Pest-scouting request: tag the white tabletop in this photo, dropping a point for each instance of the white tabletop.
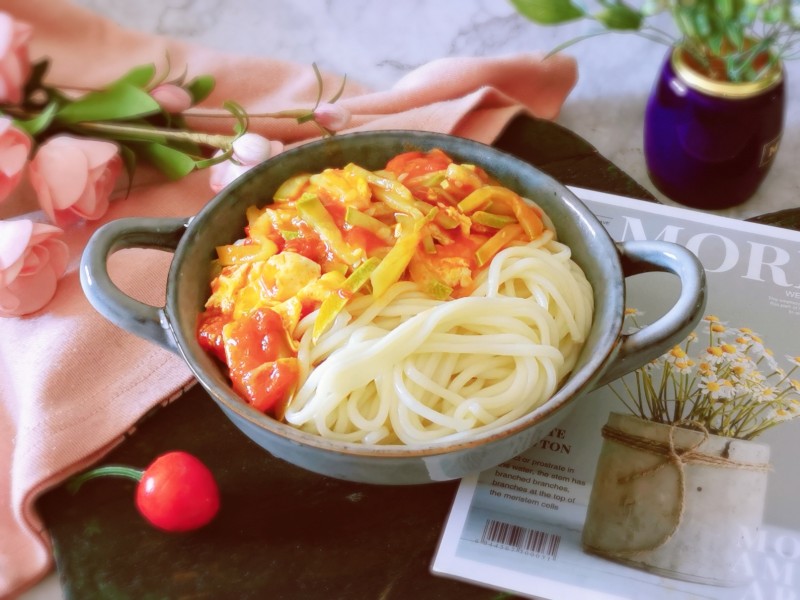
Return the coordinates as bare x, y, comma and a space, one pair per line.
375, 42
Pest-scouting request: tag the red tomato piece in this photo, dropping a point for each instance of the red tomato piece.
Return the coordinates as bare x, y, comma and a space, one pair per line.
209, 332
418, 163
252, 344
358, 237
270, 385
308, 244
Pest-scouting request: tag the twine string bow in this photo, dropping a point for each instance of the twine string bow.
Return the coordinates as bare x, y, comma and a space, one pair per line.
679, 458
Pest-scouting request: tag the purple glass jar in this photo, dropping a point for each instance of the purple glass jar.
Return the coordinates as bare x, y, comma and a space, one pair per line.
709, 144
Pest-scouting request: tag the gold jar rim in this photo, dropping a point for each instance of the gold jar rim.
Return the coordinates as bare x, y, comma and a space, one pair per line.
723, 89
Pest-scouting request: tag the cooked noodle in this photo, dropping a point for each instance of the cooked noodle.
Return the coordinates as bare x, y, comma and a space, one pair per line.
406, 368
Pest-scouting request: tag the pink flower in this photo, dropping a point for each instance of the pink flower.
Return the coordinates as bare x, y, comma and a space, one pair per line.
334, 117
74, 177
15, 66
32, 259
221, 174
172, 98
15, 146
251, 149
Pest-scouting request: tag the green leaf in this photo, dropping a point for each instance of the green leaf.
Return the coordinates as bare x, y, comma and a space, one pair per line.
173, 163
119, 102
138, 76
620, 16
653, 7
702, 24
683, 18
715, 44
201, 87
40, 122
748, 14
772, 14
549, 12
724, 8
735, 33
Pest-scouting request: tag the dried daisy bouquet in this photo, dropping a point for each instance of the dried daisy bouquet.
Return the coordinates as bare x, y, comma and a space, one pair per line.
723, 379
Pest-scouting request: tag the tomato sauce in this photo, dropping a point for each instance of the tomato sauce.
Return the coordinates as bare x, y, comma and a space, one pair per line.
412, 164
261, 362
209, 332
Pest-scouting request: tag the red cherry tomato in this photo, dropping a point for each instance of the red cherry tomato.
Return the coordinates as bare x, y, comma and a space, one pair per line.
177, 492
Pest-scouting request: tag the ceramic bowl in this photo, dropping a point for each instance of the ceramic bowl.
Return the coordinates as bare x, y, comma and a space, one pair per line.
607, 354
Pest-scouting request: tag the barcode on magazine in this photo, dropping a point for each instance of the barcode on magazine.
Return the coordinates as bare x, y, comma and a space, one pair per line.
520, 539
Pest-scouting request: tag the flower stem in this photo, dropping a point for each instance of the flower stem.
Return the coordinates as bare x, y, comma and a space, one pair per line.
282, 114
76, 482
220, 141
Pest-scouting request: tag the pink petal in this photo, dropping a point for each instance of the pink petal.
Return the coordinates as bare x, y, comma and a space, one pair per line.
8, 303
97, 152
59, 256
6, 33
9, 274
14, 239
44, 231
42, 192
22, 32
251, 149
35, 259
31, 292
13, 159
276, 147
87, 203
171, 98
64, 172
332, 116
107, 179
224, 173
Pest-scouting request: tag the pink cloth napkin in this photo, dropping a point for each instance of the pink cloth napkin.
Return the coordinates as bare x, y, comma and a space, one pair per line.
71, 384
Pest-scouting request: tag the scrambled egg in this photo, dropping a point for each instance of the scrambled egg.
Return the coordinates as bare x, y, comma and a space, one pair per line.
284, 283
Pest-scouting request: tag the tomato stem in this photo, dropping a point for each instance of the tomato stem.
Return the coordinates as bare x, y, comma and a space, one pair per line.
76, 482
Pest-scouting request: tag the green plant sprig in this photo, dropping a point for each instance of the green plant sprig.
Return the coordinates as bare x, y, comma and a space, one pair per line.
733, 40
124, 112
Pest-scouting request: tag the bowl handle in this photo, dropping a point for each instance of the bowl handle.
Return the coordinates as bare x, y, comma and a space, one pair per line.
146, 321
638, 348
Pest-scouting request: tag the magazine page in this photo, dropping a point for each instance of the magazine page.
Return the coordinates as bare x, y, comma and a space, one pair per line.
675, 518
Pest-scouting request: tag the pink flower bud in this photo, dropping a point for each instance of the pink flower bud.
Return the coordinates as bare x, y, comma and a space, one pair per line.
32, 259
15, 145
251, 149
172, 98
332, 116
15, 65
221, 174
74, 177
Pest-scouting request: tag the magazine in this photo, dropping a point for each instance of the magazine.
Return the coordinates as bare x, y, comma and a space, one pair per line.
519, 527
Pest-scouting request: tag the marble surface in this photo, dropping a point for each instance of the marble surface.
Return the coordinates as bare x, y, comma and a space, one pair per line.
375, 42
